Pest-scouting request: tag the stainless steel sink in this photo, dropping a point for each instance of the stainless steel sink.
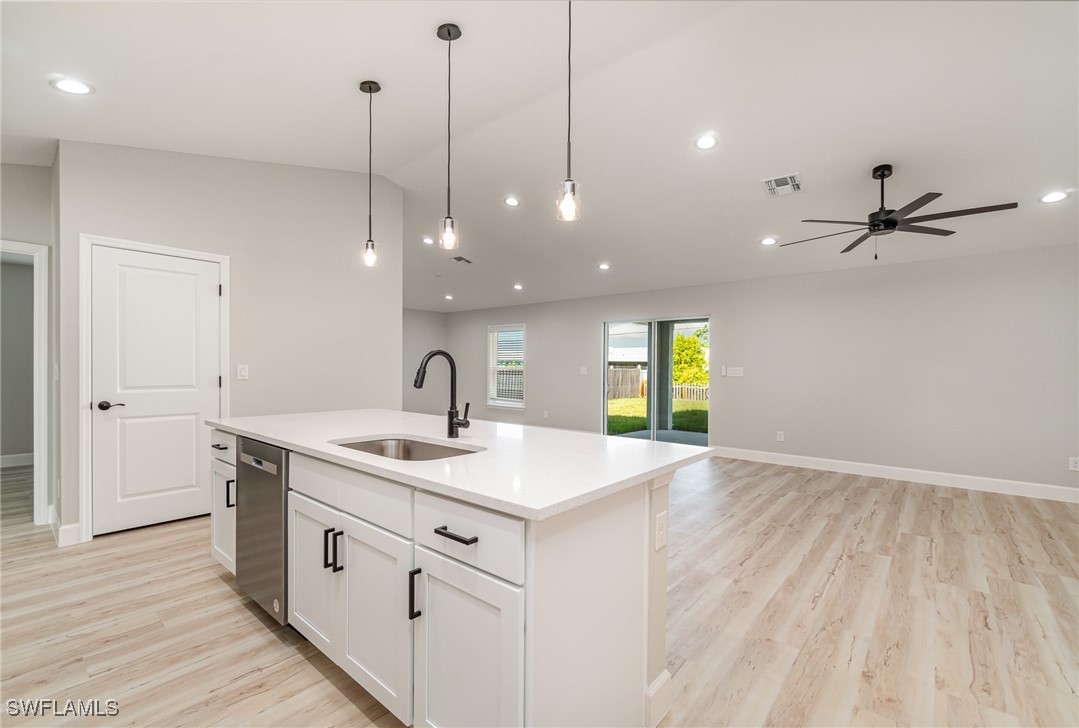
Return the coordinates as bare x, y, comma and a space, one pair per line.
405, 449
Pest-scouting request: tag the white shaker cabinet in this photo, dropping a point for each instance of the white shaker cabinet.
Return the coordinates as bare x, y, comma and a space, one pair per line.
348, 594
223, 505
469, 646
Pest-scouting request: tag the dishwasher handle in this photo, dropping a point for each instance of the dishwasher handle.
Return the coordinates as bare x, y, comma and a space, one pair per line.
258, 463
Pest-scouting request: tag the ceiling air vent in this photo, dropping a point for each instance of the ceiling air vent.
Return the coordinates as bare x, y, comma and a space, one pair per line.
786, 185
461, 260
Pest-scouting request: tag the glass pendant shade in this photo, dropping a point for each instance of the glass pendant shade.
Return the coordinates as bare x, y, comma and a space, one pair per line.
569, 202
447, 234
369, 255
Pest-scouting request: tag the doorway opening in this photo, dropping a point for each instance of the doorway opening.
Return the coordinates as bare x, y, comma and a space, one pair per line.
24, 458
657, 379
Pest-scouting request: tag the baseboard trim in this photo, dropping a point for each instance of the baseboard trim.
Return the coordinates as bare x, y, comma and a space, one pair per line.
658, 699
929, 477
65, 535
9, 461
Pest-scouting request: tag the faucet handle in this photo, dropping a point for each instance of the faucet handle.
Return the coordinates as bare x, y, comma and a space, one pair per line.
463, 422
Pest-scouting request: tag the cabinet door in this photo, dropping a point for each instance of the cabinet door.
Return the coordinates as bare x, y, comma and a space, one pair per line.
313, 586
469, 646
223, 515
376, 633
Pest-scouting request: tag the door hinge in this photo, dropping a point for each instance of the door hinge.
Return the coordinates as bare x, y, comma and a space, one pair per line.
219, 381
220, 289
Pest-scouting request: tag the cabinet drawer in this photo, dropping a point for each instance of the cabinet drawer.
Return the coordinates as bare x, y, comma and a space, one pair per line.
375, 500
223, 446
499, 546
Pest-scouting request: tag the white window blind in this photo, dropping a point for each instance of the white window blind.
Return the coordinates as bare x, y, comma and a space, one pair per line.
506, 365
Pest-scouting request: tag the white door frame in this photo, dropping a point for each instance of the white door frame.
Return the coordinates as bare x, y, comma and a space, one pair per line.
40, 256
86, 461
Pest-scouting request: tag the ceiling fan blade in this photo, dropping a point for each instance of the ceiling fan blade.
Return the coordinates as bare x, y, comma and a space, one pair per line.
843, 232
961, 213
916, 205
923, 230
861, 239
838, 222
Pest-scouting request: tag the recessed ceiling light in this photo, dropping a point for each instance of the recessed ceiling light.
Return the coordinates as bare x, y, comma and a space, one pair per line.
705, 141
512, 201
449, 297
768, 241
517, 287
1054, 197
71, 86
428, 241
604, 266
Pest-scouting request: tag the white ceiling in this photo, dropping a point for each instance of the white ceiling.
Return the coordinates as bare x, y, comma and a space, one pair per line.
977, 101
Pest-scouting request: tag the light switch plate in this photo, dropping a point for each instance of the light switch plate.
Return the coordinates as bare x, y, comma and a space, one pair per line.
241, 371
734, 371
584, 370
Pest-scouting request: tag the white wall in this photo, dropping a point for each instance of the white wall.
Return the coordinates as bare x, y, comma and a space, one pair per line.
967, 365
318, 329
424, 331
16, 359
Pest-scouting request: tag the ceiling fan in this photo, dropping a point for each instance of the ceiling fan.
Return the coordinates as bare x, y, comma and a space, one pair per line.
886, 222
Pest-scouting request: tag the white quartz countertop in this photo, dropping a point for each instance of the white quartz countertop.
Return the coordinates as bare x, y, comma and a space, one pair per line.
530, 472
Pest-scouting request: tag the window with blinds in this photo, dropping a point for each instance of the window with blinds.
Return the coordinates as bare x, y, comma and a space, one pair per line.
506, 365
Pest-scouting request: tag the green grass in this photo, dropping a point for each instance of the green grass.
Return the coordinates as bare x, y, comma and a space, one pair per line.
628, 415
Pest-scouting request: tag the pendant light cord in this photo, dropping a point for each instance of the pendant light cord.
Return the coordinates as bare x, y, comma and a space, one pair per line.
449, 100
370, 148
569, 91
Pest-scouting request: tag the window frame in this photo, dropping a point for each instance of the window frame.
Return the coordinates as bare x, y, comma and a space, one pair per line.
492, 331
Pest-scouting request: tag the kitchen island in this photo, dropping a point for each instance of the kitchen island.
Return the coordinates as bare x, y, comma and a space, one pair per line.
520, 582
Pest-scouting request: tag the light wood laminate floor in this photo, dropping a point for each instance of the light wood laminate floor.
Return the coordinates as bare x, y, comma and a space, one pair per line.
796, 597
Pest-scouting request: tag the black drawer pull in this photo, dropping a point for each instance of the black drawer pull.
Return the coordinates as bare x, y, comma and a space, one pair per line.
230, 502
336, 567
326, 563
219, 446
412, 611
445, 532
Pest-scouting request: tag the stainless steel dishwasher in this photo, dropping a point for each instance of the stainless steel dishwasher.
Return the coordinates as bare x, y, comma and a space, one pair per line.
261, 535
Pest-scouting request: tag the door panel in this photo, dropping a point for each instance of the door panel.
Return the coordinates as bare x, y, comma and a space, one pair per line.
376, 630
629, 374
469, 647
312, 587
155, 350
223, 519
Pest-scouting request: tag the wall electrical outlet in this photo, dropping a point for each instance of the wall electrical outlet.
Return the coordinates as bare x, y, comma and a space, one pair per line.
584, 370
241, 371
544, 414
1073, 463
661, 530
779, 435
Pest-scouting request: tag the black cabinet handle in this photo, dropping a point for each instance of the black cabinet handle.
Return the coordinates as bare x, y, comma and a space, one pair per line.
219, 446
106, 405
336, 567
445, 532
326, 563
412, 611
228, 494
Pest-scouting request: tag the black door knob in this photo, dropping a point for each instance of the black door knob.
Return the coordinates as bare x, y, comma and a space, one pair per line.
105, 405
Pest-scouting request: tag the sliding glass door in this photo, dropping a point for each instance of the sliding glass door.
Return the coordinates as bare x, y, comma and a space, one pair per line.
657, 380
628, 407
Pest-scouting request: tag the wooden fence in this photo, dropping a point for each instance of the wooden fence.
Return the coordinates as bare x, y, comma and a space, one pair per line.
629, 382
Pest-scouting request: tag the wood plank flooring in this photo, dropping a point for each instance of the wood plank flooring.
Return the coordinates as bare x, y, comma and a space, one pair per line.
803, 597
796, 597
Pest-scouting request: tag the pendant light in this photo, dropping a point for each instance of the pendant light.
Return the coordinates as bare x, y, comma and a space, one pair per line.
370, 88
568, 206
448, 237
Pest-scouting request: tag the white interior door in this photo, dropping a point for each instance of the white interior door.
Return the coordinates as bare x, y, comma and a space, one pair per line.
155, 361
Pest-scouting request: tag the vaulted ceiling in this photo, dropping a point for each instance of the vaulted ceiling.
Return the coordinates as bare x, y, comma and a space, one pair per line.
977, 101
